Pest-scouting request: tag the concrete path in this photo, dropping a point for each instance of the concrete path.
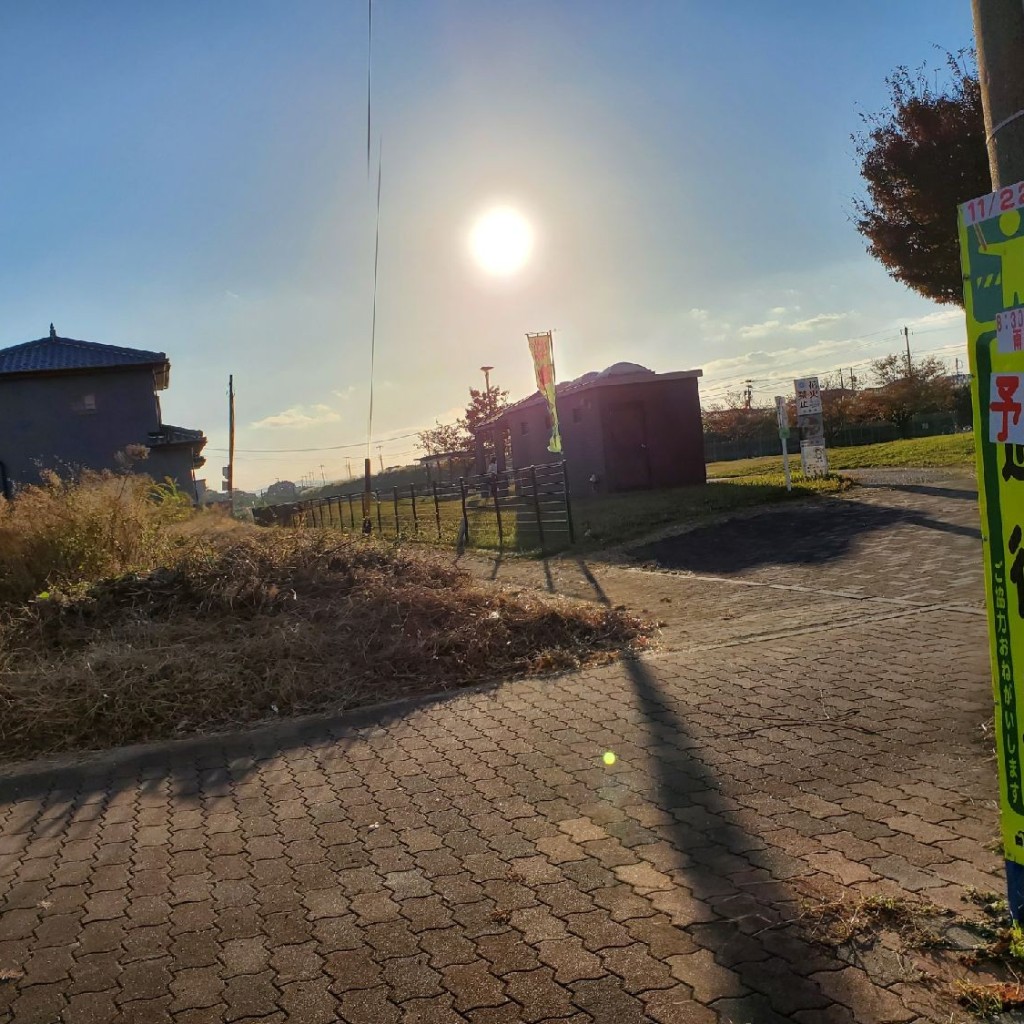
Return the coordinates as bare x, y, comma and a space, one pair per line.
814, 727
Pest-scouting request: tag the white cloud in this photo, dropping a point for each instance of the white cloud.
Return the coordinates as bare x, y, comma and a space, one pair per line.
776, 326
760, 330
345, 394
300, 416
815, 323
940, 318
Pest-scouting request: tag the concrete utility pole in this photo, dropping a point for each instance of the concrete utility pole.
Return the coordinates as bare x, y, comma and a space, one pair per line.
999, 37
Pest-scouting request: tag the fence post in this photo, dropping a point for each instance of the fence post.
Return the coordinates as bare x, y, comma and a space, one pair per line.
465, 517
536, 507
437, 509
415, 518
568, 502
380, 525
497, 513
398, 527
351, 513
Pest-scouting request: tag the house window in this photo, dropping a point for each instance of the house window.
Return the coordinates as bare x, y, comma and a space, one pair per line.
84, 405
577, 414
524, 427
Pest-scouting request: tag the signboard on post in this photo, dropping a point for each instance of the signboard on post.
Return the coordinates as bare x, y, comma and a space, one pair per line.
782, 415
808, 396
992, 259
813, 457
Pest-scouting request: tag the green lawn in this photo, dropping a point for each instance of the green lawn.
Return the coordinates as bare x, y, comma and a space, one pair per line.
919, 452
613, 519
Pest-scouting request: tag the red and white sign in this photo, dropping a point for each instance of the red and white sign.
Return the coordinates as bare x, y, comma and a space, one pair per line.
1010, 330
808, 396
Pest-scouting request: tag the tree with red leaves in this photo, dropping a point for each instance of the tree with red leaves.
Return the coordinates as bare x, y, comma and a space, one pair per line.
919, 160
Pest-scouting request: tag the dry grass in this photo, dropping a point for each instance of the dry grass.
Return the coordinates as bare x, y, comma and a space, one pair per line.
839, 922
98, 525
244, 625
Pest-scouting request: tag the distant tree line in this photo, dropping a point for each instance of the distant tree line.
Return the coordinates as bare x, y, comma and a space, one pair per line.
895, 393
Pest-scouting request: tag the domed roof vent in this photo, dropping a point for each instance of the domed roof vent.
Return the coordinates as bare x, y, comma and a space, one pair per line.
621, 369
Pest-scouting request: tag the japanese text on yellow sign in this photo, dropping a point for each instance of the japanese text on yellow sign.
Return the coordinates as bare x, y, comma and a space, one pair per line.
992, 257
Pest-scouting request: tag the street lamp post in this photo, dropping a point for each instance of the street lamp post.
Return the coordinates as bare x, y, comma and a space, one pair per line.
486, 371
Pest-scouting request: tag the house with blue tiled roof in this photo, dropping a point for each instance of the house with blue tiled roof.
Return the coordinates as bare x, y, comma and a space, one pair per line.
68, 405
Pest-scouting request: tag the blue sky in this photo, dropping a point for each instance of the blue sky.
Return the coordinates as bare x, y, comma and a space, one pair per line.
191, 177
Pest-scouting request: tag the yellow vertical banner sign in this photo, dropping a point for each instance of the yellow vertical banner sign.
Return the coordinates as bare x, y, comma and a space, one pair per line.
992, 258
541, 348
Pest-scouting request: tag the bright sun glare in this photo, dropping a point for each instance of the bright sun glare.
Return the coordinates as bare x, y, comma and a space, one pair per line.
501, 241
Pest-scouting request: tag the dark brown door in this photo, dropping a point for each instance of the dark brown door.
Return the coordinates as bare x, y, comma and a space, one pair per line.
626, 456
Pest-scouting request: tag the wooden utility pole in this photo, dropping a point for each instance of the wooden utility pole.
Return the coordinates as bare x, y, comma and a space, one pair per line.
999, 37
231, 441
910, 365
380, 456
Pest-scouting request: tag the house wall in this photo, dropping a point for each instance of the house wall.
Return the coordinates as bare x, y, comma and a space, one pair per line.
52, 422
672, 429
174, 461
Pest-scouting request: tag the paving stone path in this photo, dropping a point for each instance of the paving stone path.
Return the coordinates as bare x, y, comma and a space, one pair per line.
812, 728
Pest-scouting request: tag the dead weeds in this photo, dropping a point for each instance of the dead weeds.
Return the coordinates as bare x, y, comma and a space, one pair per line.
843, 922
269, 624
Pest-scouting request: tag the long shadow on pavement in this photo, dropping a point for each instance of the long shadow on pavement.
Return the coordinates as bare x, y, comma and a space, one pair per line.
794, 536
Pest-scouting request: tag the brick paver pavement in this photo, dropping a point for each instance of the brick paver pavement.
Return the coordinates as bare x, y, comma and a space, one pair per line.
806, 732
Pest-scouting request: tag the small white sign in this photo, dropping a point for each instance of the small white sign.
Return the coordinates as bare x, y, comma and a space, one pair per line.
808, 396
1010, 330
782, 413
1006, 408
814, 459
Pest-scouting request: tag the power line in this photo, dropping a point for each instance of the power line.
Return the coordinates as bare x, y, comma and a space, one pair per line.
323, 448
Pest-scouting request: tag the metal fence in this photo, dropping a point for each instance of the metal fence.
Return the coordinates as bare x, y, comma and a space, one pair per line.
526, 509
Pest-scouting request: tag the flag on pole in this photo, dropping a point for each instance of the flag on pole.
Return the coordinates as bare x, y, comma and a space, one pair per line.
544, 369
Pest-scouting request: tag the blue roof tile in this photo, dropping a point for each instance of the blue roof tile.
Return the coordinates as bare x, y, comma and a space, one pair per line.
53, 353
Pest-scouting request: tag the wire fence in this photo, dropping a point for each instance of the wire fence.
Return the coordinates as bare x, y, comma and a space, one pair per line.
525, 509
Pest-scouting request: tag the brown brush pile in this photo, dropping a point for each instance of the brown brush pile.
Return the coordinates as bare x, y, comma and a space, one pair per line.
258, 625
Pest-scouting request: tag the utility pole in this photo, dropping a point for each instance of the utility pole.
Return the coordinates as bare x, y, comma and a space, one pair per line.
999, 38
380, 456
748, 393
999, 41
322, 476
853, 380
231, 442
910, 365
348, 468
842, 386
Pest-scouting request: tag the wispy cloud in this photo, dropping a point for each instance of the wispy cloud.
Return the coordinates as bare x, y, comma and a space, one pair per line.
816, 323
346, 393
765, 328
300, 416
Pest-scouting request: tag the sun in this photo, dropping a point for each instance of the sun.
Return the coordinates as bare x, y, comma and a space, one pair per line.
501, 241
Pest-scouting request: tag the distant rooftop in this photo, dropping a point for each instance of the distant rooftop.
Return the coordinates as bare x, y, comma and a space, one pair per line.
54, 354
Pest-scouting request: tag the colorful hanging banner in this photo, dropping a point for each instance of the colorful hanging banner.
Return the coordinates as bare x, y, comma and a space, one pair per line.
992, 259
541, 348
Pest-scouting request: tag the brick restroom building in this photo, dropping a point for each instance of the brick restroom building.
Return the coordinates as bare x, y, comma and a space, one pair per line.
625, 428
